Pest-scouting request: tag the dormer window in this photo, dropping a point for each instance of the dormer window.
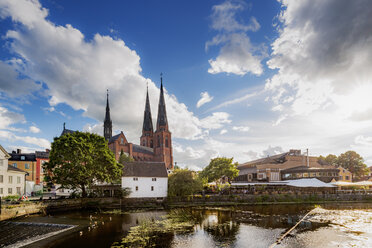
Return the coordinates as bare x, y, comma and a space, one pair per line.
23, 158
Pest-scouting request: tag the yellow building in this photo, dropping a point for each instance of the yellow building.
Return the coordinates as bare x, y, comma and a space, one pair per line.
345, 175
25, 162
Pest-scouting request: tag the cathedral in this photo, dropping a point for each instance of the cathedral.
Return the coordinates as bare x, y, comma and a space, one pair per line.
154, 146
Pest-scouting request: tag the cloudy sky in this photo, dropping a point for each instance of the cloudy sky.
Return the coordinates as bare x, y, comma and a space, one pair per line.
244, 79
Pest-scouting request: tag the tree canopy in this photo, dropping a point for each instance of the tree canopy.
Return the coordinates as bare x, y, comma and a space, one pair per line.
183, 182
78, 160
123, 158
219, 167
349, 160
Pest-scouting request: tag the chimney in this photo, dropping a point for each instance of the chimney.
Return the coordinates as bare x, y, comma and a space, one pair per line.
19, 151
47, 150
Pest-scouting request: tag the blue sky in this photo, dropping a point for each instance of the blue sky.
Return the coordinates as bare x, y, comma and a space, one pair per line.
243, 78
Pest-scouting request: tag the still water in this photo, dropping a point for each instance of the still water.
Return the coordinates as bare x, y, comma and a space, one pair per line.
334, 225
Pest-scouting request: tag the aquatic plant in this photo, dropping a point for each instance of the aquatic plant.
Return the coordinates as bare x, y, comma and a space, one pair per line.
158, 233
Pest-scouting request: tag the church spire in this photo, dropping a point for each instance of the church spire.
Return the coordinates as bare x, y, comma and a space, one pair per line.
162, 122
147, 119
107, 129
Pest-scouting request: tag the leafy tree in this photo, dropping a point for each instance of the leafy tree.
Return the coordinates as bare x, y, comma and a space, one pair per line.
353, 162
79, 159
219, 167
183, 182
330, 159
123, 158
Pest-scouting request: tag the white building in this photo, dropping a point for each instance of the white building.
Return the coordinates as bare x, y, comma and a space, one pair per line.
12, 180
145, 179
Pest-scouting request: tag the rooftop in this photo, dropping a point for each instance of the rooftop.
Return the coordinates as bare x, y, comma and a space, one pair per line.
145, 169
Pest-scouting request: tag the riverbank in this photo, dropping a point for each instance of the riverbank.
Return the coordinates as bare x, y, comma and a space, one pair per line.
9, 211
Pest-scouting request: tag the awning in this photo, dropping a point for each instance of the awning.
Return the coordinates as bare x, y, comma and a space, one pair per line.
309, 183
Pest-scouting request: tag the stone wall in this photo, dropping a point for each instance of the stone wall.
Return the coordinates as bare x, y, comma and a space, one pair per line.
9, 211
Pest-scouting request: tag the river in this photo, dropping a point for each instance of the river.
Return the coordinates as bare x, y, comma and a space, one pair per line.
331, 225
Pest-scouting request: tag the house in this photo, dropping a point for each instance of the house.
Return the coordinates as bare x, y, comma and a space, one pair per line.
283, 167
145, 179
25, 162
12, 179
345, 175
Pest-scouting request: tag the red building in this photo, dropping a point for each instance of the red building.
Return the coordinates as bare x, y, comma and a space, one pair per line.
154, 146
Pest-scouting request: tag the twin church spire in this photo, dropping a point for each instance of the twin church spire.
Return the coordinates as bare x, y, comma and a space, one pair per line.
147, 128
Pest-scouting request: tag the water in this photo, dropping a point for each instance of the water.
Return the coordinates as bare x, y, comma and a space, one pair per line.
336, 225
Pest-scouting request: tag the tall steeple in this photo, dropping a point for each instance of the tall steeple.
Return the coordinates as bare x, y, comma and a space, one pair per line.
162, 122
107, 124
147, 119
147, 137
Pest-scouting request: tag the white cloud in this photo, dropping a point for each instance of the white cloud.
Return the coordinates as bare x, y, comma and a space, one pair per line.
14, 86
205, 98
241, 128
215, 121
236, 100
78, 71
8, 118
237, 55
34, 129
223, 131
11, 137
323, 57
361, 140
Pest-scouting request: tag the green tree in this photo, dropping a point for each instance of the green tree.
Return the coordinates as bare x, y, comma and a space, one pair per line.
219, 167
79, 159
123, 158
183, 182
353, 162
330, 159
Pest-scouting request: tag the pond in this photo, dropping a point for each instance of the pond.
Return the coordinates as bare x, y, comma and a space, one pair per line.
332, 225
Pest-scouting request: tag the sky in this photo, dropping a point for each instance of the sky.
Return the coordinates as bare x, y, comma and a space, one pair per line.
243, 79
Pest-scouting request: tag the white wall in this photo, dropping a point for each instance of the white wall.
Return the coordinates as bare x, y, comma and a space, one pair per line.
144, 186
5, 184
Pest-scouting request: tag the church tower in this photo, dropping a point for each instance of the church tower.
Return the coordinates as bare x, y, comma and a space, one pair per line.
162, 136
107, 124
147, 129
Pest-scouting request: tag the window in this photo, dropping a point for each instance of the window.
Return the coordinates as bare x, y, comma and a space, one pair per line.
152, 188
10, 179
121, 141
313, 174
27, 166
18, 190
1, 178
158, 141
42, 164
18, 179
135, 178
305, 174
23, 158
10, 190
346, 177
341, 177
151, 144
154, 179
1, 191
136, 188
144, 143
1, 162
166, 141
14, 165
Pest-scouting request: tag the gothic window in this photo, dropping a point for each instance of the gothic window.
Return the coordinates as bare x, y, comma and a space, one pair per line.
121, 141
144, 142
151, 144
158, 140
166, 141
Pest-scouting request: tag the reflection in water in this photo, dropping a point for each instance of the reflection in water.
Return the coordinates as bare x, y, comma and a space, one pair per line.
238, 227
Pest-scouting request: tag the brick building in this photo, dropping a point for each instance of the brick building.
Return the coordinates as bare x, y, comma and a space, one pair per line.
155, 146
286, 166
